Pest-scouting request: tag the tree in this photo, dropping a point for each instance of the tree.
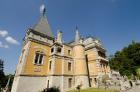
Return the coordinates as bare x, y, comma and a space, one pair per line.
1, 68
127, 61
2, 76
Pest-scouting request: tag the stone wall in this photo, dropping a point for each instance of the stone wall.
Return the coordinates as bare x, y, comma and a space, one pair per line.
29, 84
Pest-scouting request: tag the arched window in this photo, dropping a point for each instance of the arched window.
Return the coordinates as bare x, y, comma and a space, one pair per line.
38, 58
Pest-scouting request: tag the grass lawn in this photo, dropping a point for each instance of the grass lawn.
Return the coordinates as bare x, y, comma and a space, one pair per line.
94, 90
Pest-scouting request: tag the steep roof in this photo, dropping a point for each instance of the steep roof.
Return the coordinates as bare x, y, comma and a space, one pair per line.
43, 27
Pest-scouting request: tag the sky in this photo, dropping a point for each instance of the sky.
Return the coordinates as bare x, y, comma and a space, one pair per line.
115, 22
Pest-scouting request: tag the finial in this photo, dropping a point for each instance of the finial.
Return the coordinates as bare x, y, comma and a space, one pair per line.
76, 27
59, 36
42, 8
59, 30
77, 36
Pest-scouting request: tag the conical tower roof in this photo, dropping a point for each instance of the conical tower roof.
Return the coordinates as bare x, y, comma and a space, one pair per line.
77, 36
42, 26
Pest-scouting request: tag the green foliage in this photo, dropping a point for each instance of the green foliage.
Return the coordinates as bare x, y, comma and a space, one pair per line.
52, 89
138, 72
1, 68
127, 61
94, 90
4, 78
2, 75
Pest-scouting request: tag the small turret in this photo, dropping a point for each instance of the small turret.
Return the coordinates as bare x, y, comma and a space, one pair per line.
80, 62
77, 36
59, 36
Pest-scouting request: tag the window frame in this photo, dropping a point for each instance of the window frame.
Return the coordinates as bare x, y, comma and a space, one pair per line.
50, 65
59, 50
69, 68
52, 50
38, 60
69, 82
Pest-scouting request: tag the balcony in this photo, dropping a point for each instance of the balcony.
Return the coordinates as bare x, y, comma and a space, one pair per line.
102, 58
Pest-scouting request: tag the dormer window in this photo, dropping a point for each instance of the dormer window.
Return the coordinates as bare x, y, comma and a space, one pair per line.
38, 58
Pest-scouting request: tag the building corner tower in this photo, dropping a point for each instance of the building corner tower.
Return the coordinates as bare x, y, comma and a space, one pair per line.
32, 69
81, 74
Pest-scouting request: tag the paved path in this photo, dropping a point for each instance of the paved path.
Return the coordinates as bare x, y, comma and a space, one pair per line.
134, 89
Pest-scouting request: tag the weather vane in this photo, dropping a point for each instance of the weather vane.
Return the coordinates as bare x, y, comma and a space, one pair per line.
42, 8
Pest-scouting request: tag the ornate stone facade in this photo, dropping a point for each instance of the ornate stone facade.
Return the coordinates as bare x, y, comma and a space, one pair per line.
47, 61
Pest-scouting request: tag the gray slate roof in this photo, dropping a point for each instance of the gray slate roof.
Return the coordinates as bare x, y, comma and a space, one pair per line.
42, 27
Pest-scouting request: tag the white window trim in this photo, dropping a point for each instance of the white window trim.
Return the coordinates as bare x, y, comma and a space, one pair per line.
38, 58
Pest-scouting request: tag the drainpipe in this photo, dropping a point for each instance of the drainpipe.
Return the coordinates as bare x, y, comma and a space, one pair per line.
88, 74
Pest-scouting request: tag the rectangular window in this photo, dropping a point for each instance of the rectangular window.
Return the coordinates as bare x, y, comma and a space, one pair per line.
69, 66
59, 50
70, 82
69, 52
95, 80
50, 65
48, 84
41, 58
38, 58
52, 50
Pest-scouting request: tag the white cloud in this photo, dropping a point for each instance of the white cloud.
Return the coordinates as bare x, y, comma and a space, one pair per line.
11, 40
3, 33
6, 46
3, 46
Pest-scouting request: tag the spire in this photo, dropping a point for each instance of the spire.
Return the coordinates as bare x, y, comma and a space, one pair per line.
42, 26
77, 36
59, 36
43, 8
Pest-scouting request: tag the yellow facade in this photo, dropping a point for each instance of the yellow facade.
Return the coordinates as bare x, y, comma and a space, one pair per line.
51, 62
30, 67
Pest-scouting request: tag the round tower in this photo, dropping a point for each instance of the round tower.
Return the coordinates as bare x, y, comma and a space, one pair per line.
81, 74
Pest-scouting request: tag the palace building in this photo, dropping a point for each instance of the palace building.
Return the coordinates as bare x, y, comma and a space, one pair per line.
46, 61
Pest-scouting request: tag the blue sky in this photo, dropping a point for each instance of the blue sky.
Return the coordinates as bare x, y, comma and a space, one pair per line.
115, 22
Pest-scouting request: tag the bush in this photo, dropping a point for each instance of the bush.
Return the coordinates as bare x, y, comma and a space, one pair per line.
52, 89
